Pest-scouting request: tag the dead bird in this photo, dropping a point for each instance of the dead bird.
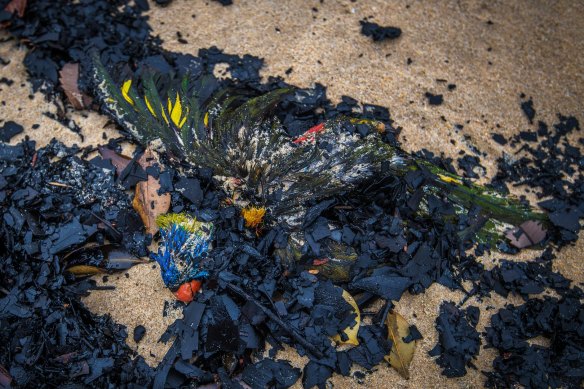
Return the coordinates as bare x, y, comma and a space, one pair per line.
269, 173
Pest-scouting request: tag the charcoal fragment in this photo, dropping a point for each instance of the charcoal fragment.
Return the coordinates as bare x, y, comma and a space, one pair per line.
434, 99
528, 110
379, 33
10, 129
190, 188
270, 373
139, 332
459, 341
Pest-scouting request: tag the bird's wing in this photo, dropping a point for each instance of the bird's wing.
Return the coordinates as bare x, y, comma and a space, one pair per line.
193, 118
336, 160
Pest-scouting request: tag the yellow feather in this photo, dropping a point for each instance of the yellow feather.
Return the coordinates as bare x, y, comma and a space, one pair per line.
125, 89
449, 179
163, 114
149, 106
182, 122
176, 112
206, 119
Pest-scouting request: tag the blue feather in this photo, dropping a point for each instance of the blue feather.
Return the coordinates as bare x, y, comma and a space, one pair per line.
180, 254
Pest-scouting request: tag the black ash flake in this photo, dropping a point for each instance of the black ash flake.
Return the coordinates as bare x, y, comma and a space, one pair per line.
139, 332
499, 138
379, 33
434, 99
528, 110
10, 129
471, 166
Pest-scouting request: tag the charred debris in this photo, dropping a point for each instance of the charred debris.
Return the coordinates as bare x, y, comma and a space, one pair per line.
66, 215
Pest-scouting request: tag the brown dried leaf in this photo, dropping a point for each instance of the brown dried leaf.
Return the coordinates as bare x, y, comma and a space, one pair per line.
17, 6
401, 353
118, 160
68, 77
85, 270
5, 378
147, 202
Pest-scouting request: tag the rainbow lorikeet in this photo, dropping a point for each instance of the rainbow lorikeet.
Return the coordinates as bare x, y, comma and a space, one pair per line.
266, 170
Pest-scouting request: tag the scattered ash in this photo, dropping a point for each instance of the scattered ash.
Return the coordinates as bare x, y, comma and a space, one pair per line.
251, 300
552, 169
53, 201
459, 341
556, 364
379, 33
470, 166
64, 32
523, 278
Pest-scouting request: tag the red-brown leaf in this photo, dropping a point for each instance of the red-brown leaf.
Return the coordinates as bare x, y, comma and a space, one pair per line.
118, 160
17, 6
527, 234
5, 378
147, 202
68, 76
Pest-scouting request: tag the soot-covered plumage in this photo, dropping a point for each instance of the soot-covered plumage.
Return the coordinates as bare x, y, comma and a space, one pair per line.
266, 172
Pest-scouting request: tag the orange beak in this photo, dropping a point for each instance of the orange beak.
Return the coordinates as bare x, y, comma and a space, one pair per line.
186, 292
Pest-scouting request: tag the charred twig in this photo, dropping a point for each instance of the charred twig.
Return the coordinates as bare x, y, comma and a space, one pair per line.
297, 337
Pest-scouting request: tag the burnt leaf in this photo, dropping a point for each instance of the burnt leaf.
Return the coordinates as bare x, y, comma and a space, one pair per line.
315, 374
95, 259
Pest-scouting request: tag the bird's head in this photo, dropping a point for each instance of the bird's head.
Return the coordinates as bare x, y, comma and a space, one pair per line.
185, 243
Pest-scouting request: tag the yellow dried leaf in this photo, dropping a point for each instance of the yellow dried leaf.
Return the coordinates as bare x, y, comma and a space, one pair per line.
84, 270
350, 332
401, 353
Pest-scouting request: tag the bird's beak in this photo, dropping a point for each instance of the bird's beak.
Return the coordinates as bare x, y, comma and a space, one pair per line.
186, 292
